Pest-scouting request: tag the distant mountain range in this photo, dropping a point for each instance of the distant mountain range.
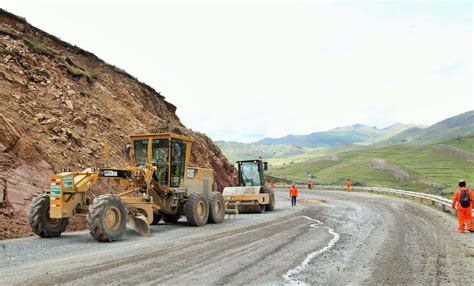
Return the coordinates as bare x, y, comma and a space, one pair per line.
241, 151
458, 126
461, 125
354, 134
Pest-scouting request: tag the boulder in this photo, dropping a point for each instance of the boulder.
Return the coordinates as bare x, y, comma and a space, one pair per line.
51, 123
75, 135
61, 139
78, 121
56, 113
69, 104
9, 133
2, 191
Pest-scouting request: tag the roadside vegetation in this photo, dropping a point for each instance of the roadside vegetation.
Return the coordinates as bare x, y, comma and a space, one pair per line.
433, 168
78, 71
38, 45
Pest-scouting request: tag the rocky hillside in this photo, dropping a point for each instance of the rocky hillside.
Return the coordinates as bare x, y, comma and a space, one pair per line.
59, 103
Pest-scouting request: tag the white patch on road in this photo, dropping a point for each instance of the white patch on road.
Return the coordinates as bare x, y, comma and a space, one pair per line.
300, 268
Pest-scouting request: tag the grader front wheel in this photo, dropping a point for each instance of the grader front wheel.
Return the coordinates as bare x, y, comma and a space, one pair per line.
107, 218
39, 220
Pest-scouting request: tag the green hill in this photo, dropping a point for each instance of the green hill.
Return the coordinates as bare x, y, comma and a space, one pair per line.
298, 148
241, 151
461, 125
354, 134
431, 168
462, 143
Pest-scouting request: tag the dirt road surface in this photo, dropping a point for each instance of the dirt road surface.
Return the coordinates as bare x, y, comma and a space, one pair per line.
331, 237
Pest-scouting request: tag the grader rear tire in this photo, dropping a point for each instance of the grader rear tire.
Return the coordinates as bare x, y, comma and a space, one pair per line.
39, 220
107, 218
171, 218
216, 207
196, 209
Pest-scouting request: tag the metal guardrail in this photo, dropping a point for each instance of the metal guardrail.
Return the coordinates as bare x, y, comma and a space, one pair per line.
443, 203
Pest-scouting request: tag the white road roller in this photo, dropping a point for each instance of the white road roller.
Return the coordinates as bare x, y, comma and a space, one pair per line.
252, 194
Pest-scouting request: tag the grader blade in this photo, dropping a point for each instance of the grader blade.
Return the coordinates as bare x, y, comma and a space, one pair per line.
139, 224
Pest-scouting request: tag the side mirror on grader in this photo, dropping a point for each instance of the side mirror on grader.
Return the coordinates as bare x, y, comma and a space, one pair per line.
158, 184
126, 151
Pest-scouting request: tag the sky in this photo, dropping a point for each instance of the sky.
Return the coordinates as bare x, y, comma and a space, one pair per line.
245, 70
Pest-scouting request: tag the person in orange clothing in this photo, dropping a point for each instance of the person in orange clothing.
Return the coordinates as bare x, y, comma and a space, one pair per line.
293, 194
348, 185
463, 198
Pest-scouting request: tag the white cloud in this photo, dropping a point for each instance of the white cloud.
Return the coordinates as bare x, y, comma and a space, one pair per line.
245, 70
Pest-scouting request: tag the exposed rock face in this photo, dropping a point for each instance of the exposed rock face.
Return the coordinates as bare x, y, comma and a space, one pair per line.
58, 103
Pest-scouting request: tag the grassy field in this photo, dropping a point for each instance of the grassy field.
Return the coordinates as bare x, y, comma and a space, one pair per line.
428, 168
466, 144
313, 153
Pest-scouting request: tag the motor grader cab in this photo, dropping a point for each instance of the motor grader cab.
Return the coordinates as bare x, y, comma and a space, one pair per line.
252, 194
157, 184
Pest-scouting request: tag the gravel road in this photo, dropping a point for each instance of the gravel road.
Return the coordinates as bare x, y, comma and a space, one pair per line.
331, 237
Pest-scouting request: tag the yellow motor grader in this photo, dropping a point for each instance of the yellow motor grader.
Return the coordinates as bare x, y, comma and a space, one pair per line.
158, 184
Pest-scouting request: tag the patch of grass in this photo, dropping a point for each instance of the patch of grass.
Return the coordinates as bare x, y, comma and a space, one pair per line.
78, 71
470, 254
8, 31
38, 45
117, 69
463, 143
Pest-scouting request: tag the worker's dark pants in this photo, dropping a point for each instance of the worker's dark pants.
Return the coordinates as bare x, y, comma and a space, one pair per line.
293, 201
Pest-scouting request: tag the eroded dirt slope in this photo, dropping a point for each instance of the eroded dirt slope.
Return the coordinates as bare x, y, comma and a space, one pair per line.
58, 104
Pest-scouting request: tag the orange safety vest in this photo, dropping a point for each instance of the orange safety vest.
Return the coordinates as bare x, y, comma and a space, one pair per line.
293, 192
457, 198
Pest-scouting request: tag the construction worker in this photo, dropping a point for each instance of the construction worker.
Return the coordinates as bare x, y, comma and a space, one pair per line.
348, 185
310, 184
293, 194
272, 184
463, 198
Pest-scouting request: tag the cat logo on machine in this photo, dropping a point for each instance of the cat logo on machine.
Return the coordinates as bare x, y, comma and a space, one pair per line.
191, 172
